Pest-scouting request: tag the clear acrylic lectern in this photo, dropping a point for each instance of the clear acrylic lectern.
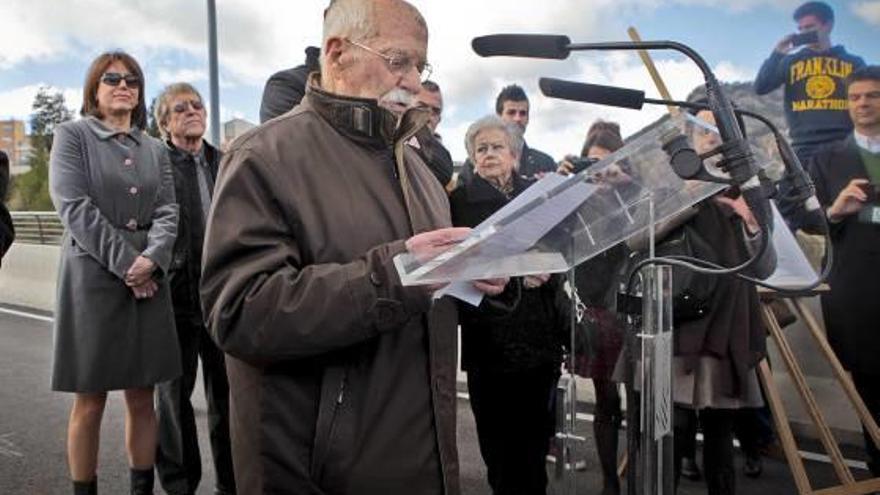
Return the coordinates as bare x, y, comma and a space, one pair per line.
560, 222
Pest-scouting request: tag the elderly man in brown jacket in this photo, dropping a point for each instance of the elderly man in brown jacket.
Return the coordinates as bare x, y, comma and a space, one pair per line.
342, 380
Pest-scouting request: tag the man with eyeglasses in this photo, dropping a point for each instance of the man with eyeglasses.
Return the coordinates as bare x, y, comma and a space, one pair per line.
428, 142
342, 380
181, 116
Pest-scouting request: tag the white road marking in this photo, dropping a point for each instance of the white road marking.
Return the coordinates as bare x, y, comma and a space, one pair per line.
25, 314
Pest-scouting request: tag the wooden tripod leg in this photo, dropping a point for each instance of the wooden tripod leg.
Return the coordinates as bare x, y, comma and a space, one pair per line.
622, 465
842, 376
800, 382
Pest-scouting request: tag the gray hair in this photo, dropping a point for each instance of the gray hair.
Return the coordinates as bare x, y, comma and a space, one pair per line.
163, 103
355, 20
511, 131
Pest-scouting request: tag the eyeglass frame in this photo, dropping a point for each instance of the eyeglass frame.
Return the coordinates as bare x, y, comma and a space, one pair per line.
395, 64
195, 104
131, 80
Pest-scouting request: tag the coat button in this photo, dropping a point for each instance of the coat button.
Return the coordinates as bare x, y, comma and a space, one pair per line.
129, 161
132, 224
133, 190
375, 280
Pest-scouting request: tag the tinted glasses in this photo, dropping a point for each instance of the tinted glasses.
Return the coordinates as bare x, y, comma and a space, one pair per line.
114, 78
181, 107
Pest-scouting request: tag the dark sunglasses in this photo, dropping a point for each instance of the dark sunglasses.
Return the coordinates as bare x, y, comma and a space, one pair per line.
181, 107
114, 78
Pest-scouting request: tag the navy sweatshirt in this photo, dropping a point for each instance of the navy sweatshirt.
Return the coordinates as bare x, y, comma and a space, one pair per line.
815, 92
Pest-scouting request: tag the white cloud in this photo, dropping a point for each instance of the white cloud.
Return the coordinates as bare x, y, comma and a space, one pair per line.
869, 11
168, 76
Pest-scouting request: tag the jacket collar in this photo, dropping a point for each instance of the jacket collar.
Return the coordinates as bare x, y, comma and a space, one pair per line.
479, 189
104, 133
177, 154
362, 119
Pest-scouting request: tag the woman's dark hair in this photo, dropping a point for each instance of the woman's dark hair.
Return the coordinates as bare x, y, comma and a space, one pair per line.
603, 134
93, 79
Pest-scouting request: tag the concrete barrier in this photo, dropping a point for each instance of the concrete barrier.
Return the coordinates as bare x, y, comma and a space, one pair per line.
28, 275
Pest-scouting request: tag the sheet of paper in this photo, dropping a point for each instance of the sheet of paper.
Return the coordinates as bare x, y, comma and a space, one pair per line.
464, 291
792, 267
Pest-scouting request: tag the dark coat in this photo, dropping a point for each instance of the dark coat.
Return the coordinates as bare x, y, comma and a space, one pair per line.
186, 262
532, 334
850, 309
7, 229
733, 330
341, 379
285, 89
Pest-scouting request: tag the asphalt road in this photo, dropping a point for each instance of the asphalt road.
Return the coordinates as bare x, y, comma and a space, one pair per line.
33, 422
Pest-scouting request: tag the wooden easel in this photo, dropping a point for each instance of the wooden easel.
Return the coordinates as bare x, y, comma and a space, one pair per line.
848, 485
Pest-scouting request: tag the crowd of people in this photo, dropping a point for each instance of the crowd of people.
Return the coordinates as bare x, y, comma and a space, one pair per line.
272, 264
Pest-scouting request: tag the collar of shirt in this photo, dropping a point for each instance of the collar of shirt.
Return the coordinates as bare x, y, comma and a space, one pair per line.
103, 132
869, 143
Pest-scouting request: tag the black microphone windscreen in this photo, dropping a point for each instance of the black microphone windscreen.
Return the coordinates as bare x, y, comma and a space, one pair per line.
522, 45
592, 93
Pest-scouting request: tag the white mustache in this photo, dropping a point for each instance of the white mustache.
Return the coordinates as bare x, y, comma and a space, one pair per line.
397, 95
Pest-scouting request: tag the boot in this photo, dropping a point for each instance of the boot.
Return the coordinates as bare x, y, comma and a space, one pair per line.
605, 433
85, 487
142, 481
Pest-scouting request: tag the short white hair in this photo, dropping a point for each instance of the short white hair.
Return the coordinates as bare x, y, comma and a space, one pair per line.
511, 131
355, 20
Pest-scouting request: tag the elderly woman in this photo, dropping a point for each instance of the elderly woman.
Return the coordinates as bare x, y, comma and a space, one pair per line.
512, 358
112, 186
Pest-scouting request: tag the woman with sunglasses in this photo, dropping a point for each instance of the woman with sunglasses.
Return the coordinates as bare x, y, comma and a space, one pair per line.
113, 188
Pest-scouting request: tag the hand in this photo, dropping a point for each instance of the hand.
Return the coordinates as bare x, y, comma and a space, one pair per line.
740, 207
850, 200
565, 166
784, 46
491, 286
146, 290
140, 271
427, 245
535, 281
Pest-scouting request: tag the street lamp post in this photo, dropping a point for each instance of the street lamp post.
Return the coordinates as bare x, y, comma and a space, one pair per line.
213, 73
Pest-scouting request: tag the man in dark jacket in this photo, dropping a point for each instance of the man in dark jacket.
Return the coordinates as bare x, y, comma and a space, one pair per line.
7, 229
847, 176
342, 380
815, 91
512, 105
285, 89
181, 116
428, 142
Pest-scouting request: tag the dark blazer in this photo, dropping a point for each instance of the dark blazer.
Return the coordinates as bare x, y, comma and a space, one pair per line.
186, 262
494, 337
850, 309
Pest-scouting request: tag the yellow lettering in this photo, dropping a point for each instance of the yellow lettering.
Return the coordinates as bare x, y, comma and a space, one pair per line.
846, 69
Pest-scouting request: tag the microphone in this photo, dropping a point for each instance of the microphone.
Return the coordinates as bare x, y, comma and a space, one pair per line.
522, 45
592, 93
803, 189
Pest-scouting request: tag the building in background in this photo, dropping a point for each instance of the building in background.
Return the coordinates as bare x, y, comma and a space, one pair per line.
16, 144
234, 128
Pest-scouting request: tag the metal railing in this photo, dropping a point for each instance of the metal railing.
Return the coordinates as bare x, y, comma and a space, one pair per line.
37, 227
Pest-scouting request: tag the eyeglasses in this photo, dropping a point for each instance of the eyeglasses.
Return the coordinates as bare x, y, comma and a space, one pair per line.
400, 63
181, 107
114, 78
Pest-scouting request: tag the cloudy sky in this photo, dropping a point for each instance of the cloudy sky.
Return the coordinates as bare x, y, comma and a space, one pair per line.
51, 42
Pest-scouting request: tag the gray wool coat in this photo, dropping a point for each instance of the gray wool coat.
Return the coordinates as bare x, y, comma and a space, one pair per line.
114, 192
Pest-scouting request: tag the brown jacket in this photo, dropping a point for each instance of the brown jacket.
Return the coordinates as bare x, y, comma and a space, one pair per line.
341, 380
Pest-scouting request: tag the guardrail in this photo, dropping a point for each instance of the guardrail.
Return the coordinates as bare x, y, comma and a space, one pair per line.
37, 227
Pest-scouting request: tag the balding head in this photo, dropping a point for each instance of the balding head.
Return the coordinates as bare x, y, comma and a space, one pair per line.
374, 49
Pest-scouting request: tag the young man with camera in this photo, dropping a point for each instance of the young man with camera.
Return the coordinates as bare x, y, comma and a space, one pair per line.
814, 78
